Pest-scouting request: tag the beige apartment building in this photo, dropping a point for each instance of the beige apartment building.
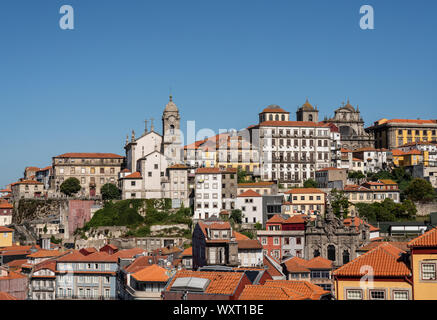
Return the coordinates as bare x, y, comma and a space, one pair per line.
93, 170
26, 189
310, 201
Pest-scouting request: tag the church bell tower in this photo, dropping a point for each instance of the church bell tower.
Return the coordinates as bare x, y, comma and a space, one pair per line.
171, 134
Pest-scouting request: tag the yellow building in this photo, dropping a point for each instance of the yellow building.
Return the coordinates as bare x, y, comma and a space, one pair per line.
410, 158
6, 237
424, 265
379, 274
392, 133
390, 273
311, 201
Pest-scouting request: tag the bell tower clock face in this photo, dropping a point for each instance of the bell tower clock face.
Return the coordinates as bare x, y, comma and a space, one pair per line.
171, 119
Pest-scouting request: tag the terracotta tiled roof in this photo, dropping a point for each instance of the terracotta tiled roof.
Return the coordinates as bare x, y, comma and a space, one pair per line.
274, 110
208, 170
167, 251
306, 288
357, 221
372, 245
291, 124
384, 259
4, 229
93, 257
153, 273
214, 225
6, 205
16, 263
303, 191
249, 244
47, 264
26, 182
388, 181
6, 296
344, 150
273, 270
249, 194
354, 187
135, 175
329, 169
263, 292
13, 275
412, 121
125, 170
255, 184
319, 263
224, 283
178, 166
240, 236
128, 253
299, 265
143, 261
187, 252
45, 254
90, 155
428, 239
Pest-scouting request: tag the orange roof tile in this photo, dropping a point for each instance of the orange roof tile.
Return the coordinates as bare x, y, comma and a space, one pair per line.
90, 155
249, 194
303, 191
306, 288
135, 175
255, 184
291, 124
220, 282
428, 239
384, 259
6, 296
45, 254
4, 229
6, 205
263, 292
249, 244
356, 222
240, 236
153, 273
187, 252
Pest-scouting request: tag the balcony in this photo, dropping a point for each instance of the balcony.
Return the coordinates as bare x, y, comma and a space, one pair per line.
43, 288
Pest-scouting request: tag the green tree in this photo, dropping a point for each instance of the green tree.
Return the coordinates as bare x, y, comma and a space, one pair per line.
110, 191
45, 229
70, 186
420, 190
356, 175
243, 176
339, 202
258, 226
310, 183
236, 216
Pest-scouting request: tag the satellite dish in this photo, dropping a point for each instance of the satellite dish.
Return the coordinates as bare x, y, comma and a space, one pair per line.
168, 264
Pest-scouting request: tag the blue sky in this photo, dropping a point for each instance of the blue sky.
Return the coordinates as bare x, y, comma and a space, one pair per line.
83, 90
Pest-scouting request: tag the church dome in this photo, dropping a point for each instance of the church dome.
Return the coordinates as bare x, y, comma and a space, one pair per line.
348, 107
307, 106
171, 106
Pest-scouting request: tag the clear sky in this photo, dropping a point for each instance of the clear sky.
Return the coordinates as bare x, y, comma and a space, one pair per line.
83, 90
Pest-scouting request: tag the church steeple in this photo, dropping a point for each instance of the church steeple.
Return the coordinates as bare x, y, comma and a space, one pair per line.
171, 131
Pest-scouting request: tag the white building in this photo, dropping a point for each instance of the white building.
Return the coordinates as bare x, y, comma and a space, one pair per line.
208, 193
176, 185
291, 151
251, 205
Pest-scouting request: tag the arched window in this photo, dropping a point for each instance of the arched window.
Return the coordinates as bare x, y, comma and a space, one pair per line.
271, 117
171, 129
346, 256
316, 253
277, 118
331, 252
283, 117
310, 117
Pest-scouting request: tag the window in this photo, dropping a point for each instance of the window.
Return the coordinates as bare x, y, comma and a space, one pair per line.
331, 252
377, 295
354, 294
428, 271
400, 295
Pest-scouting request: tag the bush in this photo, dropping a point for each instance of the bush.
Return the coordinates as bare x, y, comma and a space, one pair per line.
310, 183
110, 191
